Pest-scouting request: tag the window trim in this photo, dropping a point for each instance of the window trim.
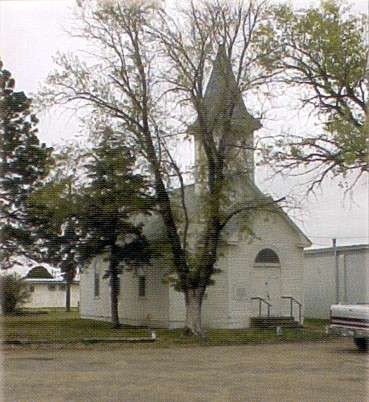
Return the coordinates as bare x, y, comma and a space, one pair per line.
266, 265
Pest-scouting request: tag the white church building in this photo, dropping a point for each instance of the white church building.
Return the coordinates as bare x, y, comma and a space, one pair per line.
262, 271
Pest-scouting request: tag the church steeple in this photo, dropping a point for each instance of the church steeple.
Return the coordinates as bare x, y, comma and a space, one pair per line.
221, 92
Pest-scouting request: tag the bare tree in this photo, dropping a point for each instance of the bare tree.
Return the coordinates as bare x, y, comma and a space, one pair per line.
148, 75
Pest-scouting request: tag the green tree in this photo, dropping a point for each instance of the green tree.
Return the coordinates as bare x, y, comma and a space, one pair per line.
322, 51
53, 209
13, 293
147, 63
24, 163
110, 201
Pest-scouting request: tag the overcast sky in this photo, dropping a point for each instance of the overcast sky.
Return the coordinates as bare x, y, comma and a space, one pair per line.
31, 32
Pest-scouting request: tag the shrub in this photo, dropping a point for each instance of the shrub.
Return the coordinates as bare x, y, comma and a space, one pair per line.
13, 293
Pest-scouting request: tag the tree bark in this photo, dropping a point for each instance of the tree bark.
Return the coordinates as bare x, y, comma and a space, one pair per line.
67, 296
114, 292
193, 300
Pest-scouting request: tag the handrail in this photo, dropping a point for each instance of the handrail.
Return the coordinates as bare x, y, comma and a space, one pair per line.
261, 300
293, 300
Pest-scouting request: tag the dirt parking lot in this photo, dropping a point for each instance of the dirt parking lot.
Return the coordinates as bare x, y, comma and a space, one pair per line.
282, 372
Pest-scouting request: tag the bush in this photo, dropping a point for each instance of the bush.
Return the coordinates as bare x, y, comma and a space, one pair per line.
13, 293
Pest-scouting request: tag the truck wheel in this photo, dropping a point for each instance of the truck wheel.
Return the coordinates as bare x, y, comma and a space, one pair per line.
362, 343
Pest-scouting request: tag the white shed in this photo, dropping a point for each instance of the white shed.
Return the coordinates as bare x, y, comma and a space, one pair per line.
47, 291
320, 278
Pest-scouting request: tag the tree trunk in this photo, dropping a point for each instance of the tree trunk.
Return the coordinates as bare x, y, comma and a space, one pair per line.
193, 300
67, 296
114, 293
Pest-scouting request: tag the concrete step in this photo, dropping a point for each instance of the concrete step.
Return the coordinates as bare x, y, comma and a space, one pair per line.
273, 322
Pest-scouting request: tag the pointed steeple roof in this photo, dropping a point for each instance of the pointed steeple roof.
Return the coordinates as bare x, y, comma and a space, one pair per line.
221, 89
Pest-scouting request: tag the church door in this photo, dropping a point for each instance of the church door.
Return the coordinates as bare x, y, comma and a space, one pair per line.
266, 283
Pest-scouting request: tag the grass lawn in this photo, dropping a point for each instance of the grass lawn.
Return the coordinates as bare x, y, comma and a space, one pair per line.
59, 326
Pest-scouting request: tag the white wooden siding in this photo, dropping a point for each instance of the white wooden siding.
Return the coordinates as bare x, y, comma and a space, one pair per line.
228, 303
42, 297
271, 231
151, 310
320, 280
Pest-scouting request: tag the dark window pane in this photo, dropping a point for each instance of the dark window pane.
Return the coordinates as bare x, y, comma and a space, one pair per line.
97, 285
267, 256
141, 286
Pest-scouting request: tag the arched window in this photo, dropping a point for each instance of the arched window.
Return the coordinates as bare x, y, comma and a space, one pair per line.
267, 256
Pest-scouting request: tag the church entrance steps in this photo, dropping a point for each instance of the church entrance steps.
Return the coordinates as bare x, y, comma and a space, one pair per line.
273, 322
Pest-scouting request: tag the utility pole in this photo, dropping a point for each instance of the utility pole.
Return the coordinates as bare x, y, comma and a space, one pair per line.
334, 243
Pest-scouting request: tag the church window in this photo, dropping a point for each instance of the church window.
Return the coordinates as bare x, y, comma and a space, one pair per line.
141, 286
96, 280
97, 285
267, 256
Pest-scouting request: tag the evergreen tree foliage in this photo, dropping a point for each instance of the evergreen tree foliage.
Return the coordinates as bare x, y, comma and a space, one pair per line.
54, 212
114, 195
24, 163
13, 293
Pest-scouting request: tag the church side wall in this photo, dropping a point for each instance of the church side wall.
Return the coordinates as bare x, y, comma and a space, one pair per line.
214, 308
151, 309
177, 309
93, 306
215, 312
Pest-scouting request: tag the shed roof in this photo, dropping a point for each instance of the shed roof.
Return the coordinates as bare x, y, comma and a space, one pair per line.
340, 249
39, 272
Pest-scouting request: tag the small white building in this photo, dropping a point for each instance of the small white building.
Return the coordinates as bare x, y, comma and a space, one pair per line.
47, 291
259, 269
320, 278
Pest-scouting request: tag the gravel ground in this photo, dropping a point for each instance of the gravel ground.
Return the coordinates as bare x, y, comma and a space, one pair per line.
295, 372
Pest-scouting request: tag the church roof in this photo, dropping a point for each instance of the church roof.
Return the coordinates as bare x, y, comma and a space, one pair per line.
304, 240
193, 201
221, 89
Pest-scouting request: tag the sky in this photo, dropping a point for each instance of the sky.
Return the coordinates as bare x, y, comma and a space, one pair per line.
31, 32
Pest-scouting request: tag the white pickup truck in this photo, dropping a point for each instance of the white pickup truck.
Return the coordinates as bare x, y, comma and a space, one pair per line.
351, 320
